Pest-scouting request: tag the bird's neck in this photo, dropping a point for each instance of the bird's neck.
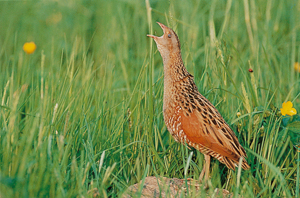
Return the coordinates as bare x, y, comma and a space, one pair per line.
174, 69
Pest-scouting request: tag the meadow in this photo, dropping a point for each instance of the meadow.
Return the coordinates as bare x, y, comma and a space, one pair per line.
82, 115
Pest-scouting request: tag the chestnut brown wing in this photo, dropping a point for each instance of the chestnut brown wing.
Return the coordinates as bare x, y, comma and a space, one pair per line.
217, 140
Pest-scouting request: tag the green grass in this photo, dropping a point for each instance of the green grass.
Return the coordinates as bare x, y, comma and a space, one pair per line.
85, 110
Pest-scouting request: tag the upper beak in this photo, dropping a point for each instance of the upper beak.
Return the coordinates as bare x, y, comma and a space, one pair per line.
163, 27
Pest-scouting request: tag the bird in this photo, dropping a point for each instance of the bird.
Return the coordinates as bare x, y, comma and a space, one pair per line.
191, 118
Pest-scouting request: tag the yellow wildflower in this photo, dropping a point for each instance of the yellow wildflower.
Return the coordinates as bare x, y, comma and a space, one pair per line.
238, 114
287, 109
29, 47
297, 67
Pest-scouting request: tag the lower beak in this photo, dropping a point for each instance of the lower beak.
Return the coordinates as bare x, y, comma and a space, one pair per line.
154, 37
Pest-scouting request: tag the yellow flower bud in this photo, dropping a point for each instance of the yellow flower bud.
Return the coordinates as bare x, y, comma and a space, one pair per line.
29, 47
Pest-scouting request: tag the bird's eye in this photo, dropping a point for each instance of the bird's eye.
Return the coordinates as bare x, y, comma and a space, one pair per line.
169, 35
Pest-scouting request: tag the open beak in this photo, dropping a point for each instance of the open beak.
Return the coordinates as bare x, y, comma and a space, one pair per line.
163, 27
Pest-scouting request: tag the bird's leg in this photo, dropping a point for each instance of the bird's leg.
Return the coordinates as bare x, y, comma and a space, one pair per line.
205, 170
202, 173
207, 166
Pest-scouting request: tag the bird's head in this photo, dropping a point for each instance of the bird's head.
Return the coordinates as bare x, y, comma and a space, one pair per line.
168, 44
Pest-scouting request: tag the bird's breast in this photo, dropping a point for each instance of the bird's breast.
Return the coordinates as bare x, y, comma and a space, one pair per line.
172, 111
172, 120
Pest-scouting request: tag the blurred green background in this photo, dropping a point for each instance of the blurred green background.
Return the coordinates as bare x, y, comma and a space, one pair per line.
83, 113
